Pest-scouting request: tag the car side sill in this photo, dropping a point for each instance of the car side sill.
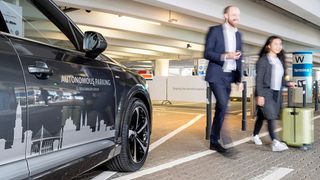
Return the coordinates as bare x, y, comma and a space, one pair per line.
65, 157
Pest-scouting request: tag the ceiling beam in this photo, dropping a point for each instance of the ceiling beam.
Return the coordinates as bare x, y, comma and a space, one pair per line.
104, 20
198, 21
133, 9
142, 38
115, 42
110, 21
254, 17
308, 10
152, 47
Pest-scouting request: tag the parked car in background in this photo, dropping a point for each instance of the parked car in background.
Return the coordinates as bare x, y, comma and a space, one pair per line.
64, 107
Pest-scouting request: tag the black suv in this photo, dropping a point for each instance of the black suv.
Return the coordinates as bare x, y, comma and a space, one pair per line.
64, 107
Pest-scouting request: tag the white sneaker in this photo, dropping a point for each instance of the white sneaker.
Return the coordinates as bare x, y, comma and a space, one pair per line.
256, 139
278, 146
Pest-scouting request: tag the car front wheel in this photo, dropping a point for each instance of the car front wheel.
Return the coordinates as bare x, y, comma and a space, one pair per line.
135, 138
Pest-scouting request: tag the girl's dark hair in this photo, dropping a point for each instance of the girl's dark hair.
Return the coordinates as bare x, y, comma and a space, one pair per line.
265, 50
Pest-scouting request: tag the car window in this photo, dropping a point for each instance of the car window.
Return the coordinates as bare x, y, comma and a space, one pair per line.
26, 21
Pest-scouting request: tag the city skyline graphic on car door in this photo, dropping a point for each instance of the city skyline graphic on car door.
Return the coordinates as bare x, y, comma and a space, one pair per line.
41, 144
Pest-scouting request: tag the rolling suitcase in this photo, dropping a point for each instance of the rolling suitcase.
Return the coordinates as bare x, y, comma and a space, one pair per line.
298, 125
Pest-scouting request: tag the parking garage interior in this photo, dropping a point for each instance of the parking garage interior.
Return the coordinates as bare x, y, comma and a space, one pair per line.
163, 41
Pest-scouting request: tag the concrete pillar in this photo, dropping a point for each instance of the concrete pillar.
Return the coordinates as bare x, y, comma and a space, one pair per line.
162, 67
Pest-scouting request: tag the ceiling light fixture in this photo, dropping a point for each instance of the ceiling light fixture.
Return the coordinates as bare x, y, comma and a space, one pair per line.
171, 20
138, 20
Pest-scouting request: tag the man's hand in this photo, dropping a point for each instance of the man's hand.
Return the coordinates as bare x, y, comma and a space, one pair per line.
233, 55
260, 100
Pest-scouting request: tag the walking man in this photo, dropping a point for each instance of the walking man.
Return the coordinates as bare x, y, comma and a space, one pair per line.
223, 50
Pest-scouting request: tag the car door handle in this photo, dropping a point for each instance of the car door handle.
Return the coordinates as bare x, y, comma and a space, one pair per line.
40, 70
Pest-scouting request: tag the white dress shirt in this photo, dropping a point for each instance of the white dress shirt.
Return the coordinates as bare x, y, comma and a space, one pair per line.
276, 73
229, 35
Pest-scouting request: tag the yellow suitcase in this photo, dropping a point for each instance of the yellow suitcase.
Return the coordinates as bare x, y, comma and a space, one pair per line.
298, 126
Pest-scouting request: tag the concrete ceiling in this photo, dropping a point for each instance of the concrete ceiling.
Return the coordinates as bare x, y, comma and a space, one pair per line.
176, 29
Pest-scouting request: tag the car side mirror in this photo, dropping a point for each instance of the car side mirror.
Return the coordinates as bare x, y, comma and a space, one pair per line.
93, 44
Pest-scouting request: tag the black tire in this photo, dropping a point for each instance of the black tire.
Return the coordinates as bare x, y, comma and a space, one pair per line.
135, 138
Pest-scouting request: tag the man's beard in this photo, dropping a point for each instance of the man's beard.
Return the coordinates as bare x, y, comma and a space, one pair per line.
232, 23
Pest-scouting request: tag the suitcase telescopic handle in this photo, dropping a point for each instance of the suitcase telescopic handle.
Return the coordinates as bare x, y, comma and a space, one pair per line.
304, 93
289, 97
304, 100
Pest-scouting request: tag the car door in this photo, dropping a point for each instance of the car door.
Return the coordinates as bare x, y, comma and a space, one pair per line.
13, 116
78, 93
71, 97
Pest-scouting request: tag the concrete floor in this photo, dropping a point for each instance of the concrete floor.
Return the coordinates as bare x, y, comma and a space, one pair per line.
180, 150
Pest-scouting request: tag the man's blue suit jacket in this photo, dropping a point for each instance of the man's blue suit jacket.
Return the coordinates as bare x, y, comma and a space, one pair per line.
214, 48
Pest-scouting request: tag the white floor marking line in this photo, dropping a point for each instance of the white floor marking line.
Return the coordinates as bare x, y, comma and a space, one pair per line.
178, 112
182, 160
316, 117
247, 139
165, 166
274, 173
182, 108
248, 114
173, 133
186, 159
236, 111
105, 175
181, 104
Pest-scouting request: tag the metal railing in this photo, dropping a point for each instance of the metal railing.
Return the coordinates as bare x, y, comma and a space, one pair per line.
244, 107
209, 112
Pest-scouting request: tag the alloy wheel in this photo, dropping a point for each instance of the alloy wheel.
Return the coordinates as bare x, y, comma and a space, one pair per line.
138, 135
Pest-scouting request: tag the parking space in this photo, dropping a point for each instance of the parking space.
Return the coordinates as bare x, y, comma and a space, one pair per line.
80, 80
252, 162
191, 139
178, 131
179, 150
